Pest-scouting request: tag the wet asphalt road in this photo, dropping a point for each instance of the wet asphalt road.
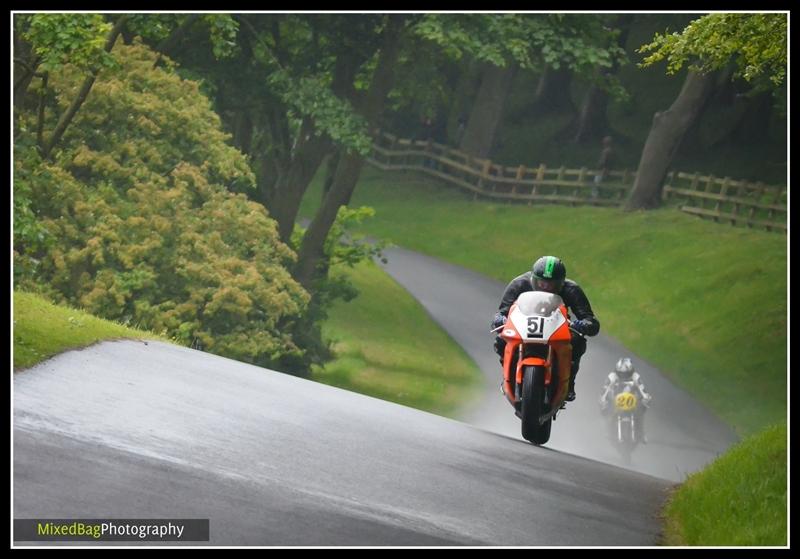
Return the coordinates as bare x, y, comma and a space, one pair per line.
132, 430
683, 436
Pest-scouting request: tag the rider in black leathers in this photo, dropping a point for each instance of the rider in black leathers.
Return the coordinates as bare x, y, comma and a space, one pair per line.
549, 274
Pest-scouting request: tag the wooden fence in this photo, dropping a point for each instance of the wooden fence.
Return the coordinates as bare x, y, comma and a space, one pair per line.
725, 200
730, 201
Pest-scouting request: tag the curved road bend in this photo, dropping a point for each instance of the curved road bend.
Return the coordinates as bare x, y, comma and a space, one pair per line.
682, 435
150, 430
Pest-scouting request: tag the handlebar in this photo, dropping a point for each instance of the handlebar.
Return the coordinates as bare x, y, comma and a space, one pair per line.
503, 326
582, 335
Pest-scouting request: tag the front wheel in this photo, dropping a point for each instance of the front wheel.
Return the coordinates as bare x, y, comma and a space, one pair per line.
533, 405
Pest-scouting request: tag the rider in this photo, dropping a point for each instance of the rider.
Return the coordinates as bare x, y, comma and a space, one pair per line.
624, 372
549, 274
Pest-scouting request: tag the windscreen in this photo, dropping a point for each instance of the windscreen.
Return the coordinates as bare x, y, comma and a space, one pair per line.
538, 303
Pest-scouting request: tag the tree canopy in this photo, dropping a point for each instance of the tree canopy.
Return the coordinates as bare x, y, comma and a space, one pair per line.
138, 223
755, 43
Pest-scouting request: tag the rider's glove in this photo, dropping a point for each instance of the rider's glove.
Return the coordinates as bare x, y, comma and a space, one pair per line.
646, 400
581, 326
498, 321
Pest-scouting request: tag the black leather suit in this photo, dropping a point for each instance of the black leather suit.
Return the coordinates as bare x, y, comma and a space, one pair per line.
578, 307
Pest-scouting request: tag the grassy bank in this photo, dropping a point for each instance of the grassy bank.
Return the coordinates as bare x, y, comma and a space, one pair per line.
706, 303
388, 347
42, 329
739, 500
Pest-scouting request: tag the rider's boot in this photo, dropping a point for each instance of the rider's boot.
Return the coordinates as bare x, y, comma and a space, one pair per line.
571, 392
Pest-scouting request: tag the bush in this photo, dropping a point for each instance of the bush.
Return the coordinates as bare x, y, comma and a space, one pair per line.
142, 227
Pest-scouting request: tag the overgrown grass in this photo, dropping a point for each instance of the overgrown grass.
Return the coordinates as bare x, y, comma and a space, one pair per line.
388, 347
704, 302
42, 329
739, 500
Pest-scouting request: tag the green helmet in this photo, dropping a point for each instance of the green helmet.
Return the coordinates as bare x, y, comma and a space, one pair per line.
548, 274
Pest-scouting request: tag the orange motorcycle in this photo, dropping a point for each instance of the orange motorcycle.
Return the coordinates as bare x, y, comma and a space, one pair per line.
536, 361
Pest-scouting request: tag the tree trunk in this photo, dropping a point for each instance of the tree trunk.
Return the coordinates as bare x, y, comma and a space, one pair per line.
25, 67
284, 193
487, 111
753, 127
465, 88
311, 256
290, 189
171, 41
553, 91
665, 138
593, 122
69, 114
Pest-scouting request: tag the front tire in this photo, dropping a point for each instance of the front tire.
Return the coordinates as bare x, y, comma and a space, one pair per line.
533, 406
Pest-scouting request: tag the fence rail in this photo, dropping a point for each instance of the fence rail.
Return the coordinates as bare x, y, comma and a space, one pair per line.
723, 200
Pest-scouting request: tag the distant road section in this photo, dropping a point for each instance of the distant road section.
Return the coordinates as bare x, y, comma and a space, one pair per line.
683, 435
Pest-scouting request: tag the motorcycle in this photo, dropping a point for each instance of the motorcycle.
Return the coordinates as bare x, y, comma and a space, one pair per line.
536, 361
624, 420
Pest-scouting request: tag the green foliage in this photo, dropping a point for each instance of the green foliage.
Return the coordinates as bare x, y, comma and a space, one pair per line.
31, 237
146, 230
311, 96
739, 500
76, 39
344, 250
530, 40
156, 27
223, 31
756, 43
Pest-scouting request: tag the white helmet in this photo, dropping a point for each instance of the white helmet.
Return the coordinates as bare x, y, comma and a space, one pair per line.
624, 368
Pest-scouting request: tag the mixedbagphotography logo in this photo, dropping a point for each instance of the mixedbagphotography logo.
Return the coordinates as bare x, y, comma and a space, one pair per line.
127, 529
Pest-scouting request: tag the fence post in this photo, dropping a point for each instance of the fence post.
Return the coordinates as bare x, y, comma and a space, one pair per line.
752, 213
578, 189
487, 168
709, 187
771, 213
723, 191
626, 178
666, 192
520, 174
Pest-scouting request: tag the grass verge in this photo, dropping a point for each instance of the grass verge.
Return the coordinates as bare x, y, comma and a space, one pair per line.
704, 302
738, 500
388, 347
42, 329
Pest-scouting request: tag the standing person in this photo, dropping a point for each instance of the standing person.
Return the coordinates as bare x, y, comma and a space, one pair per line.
604, 164
427, 128
549, 274
462, 125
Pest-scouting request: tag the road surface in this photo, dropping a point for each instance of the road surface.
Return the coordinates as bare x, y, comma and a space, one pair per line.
132, 430
683, 436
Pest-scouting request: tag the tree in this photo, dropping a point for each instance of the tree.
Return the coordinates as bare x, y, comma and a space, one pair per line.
507, 41
753, 44
296, 90
139, 223
83, 41
348, 170
593, 122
